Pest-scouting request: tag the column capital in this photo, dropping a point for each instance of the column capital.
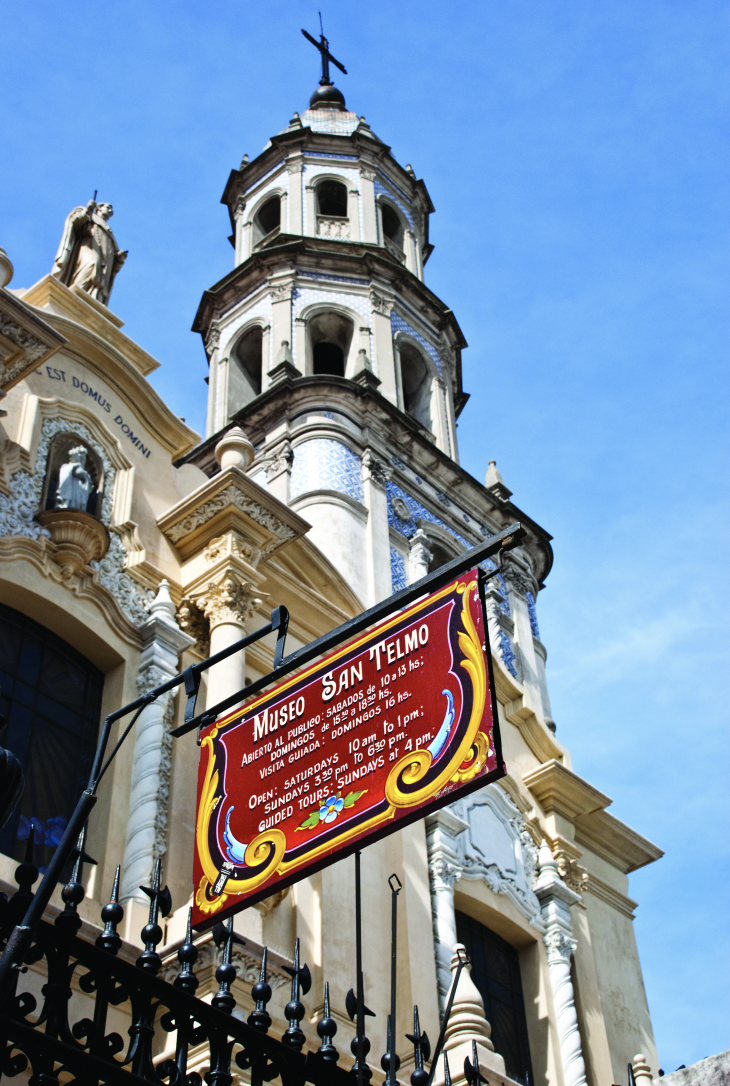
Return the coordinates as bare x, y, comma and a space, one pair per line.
228, 599
375, 469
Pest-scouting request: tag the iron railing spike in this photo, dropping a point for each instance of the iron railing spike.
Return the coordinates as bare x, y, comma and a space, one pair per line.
260, 1018
447, 1072
112, 914
187, 955
73, 892
225, 974
294, 1010
327, 1028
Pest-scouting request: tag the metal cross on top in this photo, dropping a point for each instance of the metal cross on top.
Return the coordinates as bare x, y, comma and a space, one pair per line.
324, 46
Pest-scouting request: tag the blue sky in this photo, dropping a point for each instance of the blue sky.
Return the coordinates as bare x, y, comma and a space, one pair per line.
576, 156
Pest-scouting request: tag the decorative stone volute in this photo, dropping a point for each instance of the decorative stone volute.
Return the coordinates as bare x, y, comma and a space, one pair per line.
234, 450
78, 537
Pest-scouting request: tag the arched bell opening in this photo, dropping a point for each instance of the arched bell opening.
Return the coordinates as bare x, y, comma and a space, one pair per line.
393, 229
246, 380
267, 220
415, 384
330, 337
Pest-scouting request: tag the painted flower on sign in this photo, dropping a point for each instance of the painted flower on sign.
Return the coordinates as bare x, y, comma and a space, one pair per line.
330, 809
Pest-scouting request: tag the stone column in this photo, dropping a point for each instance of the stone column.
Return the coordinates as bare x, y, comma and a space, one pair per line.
384, 362
444, 866
375, 474
420, 556
147, 818
228, 603
281, 309
353, 213
555, 900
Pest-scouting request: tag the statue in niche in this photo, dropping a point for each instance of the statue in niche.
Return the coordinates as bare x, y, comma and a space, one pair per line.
88, 256
74, 482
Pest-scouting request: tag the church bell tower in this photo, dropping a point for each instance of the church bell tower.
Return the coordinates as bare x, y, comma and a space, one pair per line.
329, 350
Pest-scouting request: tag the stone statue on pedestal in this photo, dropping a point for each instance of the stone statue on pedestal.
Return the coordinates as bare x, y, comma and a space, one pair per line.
88, 256
74, 481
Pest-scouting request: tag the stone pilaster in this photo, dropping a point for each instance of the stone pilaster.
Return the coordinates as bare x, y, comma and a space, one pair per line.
147, 818
442, 829
555, 900
375, 474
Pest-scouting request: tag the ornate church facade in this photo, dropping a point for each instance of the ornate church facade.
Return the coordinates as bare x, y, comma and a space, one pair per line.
328, 478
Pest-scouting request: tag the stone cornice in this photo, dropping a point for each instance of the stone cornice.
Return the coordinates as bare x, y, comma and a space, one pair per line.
614, 841
26, 341
614, 898
559, 789
230, 500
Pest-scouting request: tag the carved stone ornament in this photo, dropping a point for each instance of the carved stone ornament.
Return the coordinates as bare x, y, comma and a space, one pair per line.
248, 965
367, 173
380, 304
213, 338
30, 347
18, 510
192, 620
88, 256
400, 508
559, 946
443, 873
282, 460
232, 545
377, 470
239, 207
78, 537
232, 496
520, 581
228, 600
571, 872
281, 292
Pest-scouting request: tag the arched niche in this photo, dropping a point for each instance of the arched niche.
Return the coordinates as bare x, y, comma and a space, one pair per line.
416, 382
74, 476
330, 336
245, 380
441, 552
266, 219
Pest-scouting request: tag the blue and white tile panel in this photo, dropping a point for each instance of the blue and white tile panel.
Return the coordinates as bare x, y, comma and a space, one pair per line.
329, 154
381, 190
397, 570
323, 464
334, 278
389, 181
399, 324
420, 512
532, 610
506, 652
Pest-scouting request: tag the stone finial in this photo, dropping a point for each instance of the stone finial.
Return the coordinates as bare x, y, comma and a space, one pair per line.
467, 1020
244, 163
234, 450
162, 606
547, 863
6, 268
495, 482
642, 1070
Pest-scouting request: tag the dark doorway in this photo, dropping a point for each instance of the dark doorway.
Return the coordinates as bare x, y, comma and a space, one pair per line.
51, 699
496, 973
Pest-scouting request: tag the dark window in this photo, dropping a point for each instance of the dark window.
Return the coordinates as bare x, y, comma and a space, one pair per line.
416, 384
328, 359
50, 696
496, 973
392, 227
332, 199
269, 217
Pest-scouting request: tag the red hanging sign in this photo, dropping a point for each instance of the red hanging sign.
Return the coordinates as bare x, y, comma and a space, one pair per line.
394, 724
